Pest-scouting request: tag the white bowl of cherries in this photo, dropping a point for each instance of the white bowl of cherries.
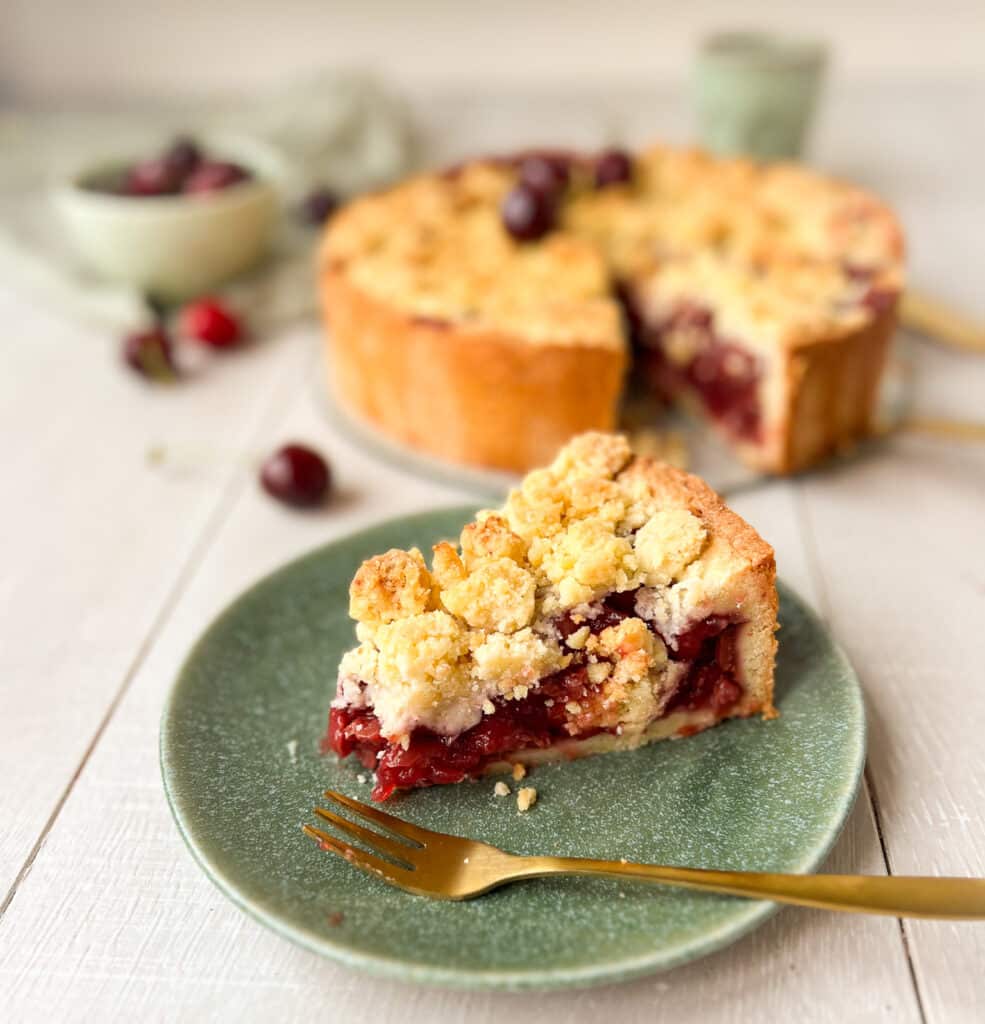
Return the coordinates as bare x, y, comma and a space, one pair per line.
177, 224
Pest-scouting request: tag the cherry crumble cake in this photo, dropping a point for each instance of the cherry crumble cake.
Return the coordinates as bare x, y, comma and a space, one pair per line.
489, 313
612, 601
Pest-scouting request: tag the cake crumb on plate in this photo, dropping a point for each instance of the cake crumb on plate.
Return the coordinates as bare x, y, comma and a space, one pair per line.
526, 798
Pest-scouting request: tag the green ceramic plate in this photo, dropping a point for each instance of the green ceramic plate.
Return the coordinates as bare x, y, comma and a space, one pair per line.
239, 750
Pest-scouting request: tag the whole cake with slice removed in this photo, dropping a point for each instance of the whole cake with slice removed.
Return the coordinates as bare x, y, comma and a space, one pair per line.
612, 601
488, 313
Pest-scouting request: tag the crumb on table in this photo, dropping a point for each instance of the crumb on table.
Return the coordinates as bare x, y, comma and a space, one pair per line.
501, 789
519, 772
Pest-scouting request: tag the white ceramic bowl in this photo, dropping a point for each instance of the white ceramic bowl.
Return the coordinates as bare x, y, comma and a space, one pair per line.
175, 247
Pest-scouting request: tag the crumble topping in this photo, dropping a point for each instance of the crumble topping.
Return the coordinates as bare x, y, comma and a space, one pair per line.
775, 249
518, 659
440, 647
496, 596
667, 544
763, 302
390, 586
490, 537
406, 245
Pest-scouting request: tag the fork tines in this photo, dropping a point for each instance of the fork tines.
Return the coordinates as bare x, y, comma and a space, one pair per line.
400, 852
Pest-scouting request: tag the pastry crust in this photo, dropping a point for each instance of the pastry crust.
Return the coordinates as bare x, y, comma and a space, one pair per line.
476, 397
482, 375
741, 576
677, 725
833, 394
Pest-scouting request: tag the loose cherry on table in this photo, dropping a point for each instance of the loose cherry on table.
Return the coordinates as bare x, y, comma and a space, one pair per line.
150, 354
208, 320
318, 205
296, 475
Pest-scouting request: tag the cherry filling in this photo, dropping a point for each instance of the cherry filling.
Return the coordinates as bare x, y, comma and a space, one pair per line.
543, 718
724, 375
710, 681
429, 759
875, 298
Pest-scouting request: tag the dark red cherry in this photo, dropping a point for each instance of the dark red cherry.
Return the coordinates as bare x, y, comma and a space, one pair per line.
543, 174
210, 321
527, 214
150, 354
214, 175
296, 475
318, 205
613, 167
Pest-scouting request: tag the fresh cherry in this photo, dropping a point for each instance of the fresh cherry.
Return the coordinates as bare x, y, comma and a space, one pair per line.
183, 156
543, 174
213, 175
527, 214
318, 205
296, 475
151, 178
613, 167
209, 321
150, 354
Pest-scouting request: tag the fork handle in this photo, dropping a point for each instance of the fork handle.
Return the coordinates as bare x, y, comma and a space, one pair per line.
897, 895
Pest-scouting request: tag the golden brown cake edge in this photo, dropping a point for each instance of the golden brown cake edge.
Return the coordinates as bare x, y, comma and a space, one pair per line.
474, 397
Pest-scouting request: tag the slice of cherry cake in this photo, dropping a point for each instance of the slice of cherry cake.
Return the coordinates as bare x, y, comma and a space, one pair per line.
614, 600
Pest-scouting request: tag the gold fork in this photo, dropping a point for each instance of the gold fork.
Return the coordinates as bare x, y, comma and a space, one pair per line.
452, 868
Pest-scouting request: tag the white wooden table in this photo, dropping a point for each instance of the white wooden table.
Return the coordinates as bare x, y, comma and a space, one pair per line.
110, 567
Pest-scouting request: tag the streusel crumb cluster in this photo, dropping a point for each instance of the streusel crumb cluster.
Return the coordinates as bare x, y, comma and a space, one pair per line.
440, 645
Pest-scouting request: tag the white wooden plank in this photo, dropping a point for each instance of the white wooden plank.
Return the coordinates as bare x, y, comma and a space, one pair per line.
124, 926
94, 538
903, 570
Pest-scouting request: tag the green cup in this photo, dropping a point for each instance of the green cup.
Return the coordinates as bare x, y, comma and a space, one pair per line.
755, 93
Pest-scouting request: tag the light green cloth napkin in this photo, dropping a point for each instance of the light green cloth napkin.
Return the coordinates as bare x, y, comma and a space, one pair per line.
339, 130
